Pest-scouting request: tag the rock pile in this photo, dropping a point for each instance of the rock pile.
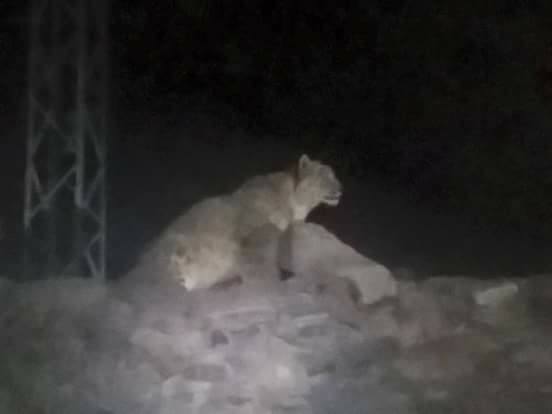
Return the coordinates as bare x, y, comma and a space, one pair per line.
303, 345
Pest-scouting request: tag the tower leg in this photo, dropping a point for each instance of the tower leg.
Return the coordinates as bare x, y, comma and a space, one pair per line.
65, 176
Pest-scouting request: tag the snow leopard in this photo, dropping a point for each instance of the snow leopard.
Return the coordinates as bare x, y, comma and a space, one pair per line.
204, 245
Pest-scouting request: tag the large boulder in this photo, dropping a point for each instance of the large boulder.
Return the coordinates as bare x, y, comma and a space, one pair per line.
310, 249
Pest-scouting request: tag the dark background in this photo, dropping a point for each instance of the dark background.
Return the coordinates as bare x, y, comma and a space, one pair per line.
448, 101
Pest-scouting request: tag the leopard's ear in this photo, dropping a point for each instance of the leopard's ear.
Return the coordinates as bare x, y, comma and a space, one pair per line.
304, 162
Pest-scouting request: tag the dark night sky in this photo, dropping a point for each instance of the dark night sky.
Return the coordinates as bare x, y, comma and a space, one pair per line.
450, 100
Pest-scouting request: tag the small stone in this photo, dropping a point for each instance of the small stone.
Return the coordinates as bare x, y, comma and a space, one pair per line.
218, 338
535, 355
311, 319
152, 341
494, 296
314, 331
435, 394
437, 361
173, 406
312, 326
240, 319
175, 387
319, 369
161, 345
298, 406
238, 400
183, 391
205, 372
246, 333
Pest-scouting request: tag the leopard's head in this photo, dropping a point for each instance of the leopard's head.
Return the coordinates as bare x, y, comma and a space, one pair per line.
316, 183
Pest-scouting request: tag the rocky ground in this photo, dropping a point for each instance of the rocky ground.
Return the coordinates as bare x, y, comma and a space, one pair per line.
303, 345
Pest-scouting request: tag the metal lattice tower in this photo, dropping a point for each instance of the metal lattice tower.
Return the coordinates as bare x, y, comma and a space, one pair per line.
65, 177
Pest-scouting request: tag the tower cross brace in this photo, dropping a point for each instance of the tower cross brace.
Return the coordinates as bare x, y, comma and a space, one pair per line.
66, 155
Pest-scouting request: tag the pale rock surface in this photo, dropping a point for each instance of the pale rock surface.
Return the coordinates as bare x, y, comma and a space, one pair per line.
309, 248
259, 348
420, 316
496, 295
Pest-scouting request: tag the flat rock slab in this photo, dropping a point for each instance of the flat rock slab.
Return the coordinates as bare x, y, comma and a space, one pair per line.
310, 249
